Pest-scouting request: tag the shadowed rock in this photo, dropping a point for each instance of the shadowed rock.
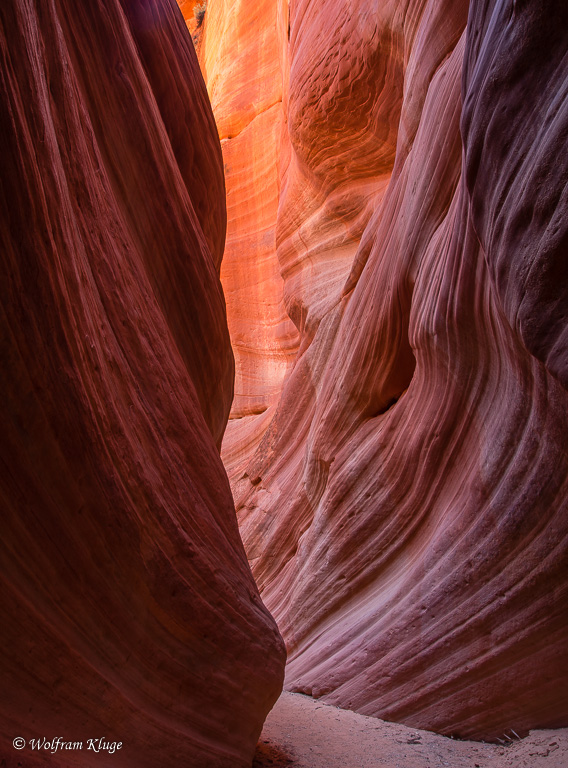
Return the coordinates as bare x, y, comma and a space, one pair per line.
128, 608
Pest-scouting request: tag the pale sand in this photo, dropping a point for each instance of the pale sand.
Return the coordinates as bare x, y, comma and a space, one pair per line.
301, 732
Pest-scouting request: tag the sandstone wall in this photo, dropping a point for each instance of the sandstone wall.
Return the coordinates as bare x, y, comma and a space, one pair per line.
405, 512
128, 608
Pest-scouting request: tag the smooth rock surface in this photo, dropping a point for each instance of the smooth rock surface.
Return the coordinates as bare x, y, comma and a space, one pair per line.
403, 502
128, 608
241, 52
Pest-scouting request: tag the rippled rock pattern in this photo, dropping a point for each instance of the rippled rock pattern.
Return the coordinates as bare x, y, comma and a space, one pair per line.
241, 49
405, 512
128, 608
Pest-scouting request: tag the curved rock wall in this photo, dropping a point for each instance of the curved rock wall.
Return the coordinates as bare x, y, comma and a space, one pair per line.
405, 512
242, 48
243, 74
128, 608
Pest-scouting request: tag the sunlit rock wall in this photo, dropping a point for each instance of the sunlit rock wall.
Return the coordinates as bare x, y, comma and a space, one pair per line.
242, 51
128, 609
405, 513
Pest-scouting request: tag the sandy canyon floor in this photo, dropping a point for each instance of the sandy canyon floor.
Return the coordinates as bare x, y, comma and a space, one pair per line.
301, 732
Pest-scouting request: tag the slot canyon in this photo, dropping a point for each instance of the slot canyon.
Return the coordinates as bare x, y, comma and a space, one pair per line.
284, 350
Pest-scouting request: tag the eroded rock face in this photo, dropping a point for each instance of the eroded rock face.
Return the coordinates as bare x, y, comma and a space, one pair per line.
241, 50
405, 512
128, 608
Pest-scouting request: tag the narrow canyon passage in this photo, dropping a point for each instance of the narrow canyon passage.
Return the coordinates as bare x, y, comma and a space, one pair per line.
284, 413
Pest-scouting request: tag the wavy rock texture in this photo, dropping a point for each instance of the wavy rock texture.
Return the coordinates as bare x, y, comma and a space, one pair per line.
128, 608
241, 50
405, 513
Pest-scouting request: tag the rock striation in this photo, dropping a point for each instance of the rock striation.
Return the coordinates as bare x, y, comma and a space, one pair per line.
404, 506
128, 608
241, 49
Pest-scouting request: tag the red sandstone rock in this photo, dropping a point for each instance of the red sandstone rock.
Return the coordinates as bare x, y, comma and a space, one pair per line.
128, 609
405, 513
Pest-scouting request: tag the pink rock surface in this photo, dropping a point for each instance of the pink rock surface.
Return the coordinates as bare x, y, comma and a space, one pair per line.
522, 210
128, 608
405, 512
